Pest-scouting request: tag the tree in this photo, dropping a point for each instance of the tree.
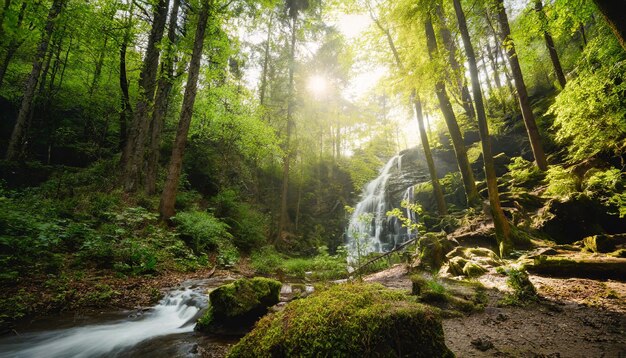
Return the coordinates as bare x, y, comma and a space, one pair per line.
520, 86
554, 56
613, 13
161, 100
16, 143
417, 103
168, 197
133, 156
503, 230
448, 114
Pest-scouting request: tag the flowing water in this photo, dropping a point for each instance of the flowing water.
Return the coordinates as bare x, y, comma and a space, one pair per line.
165, 330
370, 229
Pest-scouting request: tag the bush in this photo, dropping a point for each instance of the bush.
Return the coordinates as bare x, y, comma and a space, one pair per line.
561, 183
524, 174
201, 230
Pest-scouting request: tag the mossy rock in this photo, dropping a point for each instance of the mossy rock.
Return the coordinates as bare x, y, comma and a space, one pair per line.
605, 243
472, 269
239, 304
432, 249
348, 320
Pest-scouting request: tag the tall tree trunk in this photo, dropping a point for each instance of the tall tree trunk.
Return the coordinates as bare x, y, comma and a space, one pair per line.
503, 230
168, 198
284, 216
453, 126
266, 60
520, 86
16, 145
441, 205
459, 72
554, 56
98, 70
437, 192
161, 102
613, 13
135, 146
126, 111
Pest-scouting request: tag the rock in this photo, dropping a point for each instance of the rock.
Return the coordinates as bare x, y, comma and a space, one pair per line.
432, 249
236, 306
350, 320
472, 269
482, 344
600, 268
605, 243
456, 265
546, 251
573, 219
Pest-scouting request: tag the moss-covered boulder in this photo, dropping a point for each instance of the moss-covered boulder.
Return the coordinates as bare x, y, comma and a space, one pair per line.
238, 305
349, 320
432, 249
605, 243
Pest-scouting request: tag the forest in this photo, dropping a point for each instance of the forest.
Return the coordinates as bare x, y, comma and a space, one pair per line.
277, 178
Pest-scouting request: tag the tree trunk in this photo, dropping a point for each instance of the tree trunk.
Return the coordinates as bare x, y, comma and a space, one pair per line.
453, 127
554, 56
135, 146
503, 230
161, 102
168, 198
459, 72
126, 111
613, 13
283, 219
5, 8
524, 102
437, 192
16, 145
266, 60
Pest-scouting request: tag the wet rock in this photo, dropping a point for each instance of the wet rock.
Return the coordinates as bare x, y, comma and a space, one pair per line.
234, 307
482, 344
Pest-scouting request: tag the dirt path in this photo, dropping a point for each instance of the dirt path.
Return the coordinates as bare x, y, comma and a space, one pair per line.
575, 318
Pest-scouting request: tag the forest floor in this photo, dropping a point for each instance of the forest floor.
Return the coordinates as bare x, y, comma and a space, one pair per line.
573, 318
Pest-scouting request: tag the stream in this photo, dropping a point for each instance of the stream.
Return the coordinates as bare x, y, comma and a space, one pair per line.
164, 330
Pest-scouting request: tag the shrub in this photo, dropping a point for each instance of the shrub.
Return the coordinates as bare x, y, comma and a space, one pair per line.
561, 183
524, 174
201, 230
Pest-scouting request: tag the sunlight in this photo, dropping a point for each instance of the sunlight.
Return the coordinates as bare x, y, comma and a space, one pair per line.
318, 85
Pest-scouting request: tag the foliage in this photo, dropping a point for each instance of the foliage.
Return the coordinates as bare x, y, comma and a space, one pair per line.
523, 290
608, 187
347, 320
524, 174
561, 182
591, 110
323, 266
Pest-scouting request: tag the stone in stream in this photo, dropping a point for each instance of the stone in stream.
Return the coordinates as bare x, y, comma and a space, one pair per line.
348, 320
236, 306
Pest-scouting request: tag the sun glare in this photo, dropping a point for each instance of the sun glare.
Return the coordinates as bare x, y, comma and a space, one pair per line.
317, 85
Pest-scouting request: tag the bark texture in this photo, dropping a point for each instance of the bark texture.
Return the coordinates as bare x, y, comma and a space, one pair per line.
168, 198
503, 230
614, 13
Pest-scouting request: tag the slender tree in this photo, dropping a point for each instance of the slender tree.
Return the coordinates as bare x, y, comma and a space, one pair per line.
453, 127
13, 43
554, 56
16, 143
161, 102
503, 230
126, 111
520, 86
168, 197
417, 104
133, 156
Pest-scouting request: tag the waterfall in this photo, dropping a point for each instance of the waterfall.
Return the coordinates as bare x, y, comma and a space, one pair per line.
370, 230
174, 314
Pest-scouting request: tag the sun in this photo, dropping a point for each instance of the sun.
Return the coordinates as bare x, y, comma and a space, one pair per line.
318, 85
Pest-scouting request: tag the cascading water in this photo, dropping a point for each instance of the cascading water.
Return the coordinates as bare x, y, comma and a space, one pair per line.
175, 314
370, 230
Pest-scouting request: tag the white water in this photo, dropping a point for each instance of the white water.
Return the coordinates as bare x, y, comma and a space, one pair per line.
176, 313
370, 214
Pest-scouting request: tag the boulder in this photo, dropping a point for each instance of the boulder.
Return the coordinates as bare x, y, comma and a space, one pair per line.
236, 306
348, 320
605, 243
432, 249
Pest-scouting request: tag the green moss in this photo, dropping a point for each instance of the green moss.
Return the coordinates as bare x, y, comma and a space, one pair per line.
472, 269
346, 321
240, 302
523, 290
